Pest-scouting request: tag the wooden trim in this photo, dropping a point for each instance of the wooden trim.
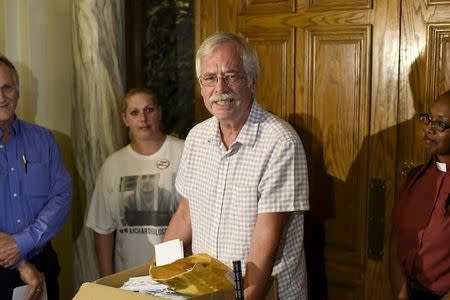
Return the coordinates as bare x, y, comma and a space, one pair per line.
133, 43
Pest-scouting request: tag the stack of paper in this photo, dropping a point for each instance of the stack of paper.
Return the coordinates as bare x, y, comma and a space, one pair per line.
21, 292
165, 253
144, 284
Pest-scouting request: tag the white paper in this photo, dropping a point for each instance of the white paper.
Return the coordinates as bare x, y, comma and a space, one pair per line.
21, 292
144, 284
168, 252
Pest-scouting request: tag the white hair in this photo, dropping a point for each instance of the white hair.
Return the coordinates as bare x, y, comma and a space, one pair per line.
248, 54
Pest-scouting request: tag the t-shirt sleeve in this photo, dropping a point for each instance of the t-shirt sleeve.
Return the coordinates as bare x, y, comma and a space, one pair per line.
100, 218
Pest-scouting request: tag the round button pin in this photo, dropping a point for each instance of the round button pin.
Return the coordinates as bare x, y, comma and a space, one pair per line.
162, 164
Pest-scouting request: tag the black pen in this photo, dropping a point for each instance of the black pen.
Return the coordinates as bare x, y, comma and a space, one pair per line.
25, 162
238, 282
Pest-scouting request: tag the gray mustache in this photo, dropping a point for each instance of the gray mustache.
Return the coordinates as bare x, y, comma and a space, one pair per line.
222, 97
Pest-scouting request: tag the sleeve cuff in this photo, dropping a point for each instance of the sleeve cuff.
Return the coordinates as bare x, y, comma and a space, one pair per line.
25, 243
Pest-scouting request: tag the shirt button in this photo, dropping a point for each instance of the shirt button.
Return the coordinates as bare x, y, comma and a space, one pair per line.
18, 220
12, 169
14, 195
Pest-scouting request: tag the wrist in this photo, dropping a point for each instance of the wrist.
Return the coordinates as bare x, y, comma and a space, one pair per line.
22, 264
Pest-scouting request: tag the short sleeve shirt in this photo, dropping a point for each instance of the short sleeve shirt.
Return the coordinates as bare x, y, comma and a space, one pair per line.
263, 171
135, 197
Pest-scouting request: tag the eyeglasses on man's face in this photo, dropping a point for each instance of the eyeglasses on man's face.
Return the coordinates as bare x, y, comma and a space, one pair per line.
231, 79
438, 125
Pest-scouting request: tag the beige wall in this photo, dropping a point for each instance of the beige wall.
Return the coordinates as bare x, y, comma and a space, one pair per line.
36, 36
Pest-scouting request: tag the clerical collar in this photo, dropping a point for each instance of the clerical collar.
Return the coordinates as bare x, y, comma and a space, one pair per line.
441, 166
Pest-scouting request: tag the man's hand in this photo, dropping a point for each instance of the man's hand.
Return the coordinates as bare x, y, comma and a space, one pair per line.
30, 275
9, 252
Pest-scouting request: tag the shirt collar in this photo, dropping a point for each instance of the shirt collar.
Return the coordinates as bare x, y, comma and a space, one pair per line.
247, 135
14, 128
249, 131
421, 169
443, 167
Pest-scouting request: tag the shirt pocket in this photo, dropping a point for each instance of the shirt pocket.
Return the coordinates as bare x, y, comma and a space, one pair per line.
239, 220
37, 178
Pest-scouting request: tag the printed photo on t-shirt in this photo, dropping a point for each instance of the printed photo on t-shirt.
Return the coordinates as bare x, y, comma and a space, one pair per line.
143, 202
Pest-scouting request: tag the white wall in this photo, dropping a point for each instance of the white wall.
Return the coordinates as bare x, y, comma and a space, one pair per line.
36, 36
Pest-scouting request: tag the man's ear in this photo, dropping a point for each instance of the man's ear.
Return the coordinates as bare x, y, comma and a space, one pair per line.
252, 87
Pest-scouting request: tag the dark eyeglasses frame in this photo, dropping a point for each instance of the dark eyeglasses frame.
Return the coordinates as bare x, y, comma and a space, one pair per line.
232, 79
438, 125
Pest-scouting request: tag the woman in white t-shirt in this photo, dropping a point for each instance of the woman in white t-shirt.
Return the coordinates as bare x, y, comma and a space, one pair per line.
135, 196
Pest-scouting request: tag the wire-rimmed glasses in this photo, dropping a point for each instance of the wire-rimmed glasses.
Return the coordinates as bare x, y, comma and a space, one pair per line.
231, 79
438, 125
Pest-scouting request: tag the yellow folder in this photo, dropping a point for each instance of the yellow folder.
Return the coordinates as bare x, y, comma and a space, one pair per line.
194, 275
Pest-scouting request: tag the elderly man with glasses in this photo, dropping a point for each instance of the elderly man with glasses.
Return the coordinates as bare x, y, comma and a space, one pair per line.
243, 177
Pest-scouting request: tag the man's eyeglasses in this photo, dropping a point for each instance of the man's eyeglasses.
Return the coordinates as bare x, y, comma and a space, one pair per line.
438, 125
231, 79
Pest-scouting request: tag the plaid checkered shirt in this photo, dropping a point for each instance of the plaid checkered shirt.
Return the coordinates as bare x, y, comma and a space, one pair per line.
263, 171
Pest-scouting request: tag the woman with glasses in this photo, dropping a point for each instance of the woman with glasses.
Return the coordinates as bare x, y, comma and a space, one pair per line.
420, 237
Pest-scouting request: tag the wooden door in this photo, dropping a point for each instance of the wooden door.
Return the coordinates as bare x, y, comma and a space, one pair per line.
330, 67
425, 72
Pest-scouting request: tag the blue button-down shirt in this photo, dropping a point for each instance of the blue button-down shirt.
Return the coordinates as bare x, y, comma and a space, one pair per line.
35, 187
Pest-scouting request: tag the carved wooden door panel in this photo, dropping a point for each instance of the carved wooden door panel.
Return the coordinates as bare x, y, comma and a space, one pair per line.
330, 67
425, 72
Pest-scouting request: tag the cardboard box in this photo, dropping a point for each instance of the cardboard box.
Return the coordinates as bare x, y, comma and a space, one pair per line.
108, 288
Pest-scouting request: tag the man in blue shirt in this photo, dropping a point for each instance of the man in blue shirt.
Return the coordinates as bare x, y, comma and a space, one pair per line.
35, 196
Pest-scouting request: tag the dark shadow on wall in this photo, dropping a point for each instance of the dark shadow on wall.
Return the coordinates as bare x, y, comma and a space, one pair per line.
66, 237
385, 158
398, 147
322, 207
